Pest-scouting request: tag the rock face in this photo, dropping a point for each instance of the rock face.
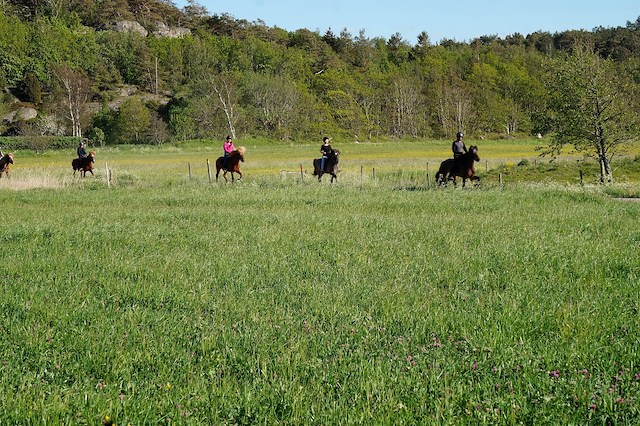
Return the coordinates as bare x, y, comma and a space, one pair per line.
21, 114
130, 27
163, 29
171, 32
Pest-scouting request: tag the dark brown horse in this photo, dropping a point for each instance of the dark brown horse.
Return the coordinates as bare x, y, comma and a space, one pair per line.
84, 165
4, 164
330, 167
463, 166
233, 164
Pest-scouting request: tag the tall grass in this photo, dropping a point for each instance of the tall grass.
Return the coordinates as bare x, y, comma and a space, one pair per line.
275, 300
279, 300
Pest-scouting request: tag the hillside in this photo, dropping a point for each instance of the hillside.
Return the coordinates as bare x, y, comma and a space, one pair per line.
188, 74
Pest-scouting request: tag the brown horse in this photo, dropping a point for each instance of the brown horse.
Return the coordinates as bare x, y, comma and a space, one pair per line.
331, 166
233, 164
463, 166
84, 165
4, 164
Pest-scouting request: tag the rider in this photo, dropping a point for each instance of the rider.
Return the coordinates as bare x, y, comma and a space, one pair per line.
228, 149
458, 147
326, 152
82, 153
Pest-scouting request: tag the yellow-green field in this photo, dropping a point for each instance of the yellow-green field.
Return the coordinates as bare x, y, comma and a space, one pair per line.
402, 163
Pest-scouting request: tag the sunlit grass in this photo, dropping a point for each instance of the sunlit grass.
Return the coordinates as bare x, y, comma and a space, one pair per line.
163, 299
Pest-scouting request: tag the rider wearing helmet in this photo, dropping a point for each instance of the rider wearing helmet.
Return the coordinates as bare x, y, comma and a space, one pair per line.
228, 148
82, 153
458, 147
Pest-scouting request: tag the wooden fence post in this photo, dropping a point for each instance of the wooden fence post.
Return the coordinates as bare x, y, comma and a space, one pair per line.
209, 169
189, 170
106, 167
428, 183
500, 178
581, 178
301, 173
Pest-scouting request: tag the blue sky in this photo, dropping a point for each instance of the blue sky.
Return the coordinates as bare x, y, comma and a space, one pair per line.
460, 20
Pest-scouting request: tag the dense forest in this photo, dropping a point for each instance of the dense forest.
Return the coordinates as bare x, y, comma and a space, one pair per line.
144, 71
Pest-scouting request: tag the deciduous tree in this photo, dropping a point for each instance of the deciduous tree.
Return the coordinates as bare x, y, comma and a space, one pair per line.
76, 89
592, 108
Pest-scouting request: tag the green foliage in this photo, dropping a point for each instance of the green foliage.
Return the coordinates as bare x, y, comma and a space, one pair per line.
97, 136
14, 45
32, 89
592, 107
132, 121
345, 85
38, 143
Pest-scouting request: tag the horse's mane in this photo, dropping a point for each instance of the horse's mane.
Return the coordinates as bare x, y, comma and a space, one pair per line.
92, 153
241, 150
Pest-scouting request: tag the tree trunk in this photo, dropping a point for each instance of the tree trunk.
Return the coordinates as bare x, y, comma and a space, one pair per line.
224, 95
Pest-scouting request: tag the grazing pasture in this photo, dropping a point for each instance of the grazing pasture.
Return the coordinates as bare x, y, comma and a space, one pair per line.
164, 299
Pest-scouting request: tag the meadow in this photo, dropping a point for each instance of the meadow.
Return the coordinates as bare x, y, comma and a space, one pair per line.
164, 299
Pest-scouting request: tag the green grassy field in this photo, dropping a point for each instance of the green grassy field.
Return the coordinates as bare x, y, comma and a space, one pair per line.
164, 299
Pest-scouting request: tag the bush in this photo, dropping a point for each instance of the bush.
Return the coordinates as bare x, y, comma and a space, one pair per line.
38, 143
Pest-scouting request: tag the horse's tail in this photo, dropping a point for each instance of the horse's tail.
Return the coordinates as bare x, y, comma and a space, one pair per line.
316, 167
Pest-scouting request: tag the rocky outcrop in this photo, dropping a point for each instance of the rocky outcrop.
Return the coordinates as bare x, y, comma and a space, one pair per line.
171, 32
163, 29
21, 114
130, 27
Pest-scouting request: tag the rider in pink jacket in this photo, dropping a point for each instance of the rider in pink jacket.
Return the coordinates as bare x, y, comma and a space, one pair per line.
228, 149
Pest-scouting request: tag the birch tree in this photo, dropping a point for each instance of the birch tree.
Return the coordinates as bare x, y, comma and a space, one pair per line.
76, 90
222, 89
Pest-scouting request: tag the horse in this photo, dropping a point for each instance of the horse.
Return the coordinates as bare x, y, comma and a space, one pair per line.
463, 166
233, 164
84, 165
4, 164
331, 166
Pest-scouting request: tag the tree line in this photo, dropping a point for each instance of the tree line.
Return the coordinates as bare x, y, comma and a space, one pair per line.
230, 76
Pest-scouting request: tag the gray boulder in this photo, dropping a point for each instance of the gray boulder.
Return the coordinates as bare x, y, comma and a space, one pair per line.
130, 27
171, 32
21, 114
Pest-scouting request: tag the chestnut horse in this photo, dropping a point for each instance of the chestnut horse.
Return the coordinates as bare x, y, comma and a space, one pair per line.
233, 164
4, 164
330, 167
463, 166
84, 165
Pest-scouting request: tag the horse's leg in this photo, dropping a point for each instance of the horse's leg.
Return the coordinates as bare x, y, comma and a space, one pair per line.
224, 175
239, 174
320, 176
